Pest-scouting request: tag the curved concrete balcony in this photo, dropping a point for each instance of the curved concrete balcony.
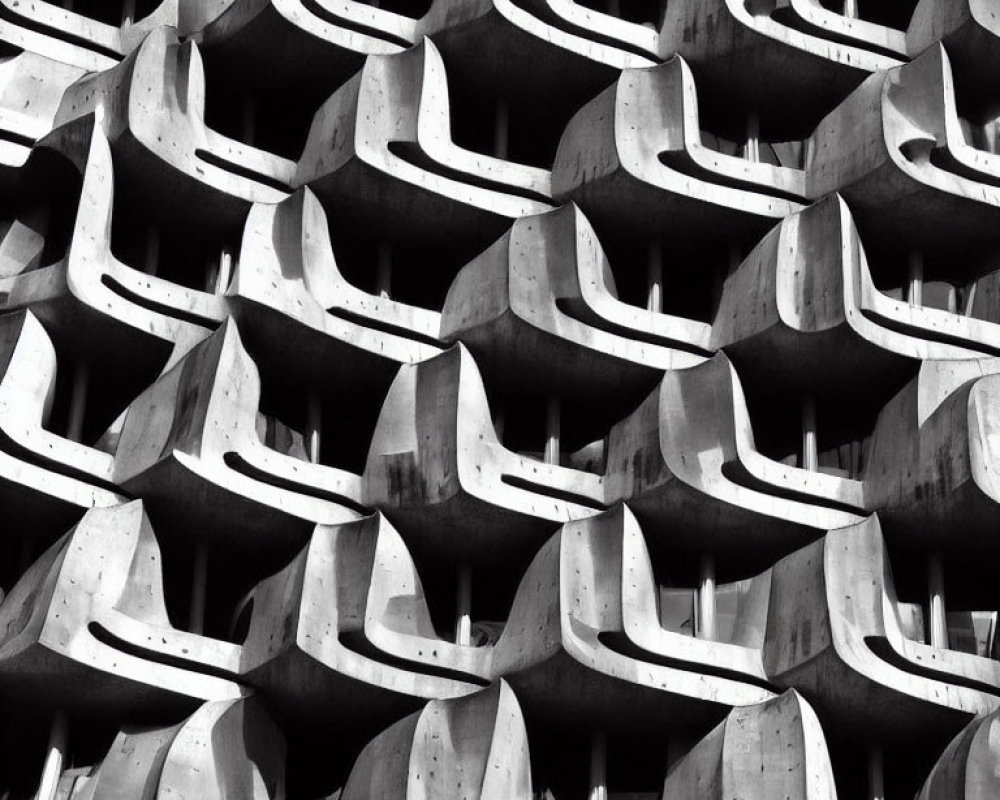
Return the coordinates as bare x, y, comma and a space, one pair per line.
968, 768
320, 41
897, 152
686, 459
31, 89
67, 36
931, 466
224, 749
288, 287
539, 311
418, 753
584, 642
194, 434
835, 634
970, 33
792, 53
40, 470
529, 42
87, 628
346, 622
771, 749
437, 469
210, 176
380, 150
90, 299
635, 161
806, 296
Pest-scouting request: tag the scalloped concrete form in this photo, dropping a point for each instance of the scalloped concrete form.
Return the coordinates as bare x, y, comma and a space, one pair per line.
499, 399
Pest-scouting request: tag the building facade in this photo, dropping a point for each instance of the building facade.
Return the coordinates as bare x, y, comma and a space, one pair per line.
499, 399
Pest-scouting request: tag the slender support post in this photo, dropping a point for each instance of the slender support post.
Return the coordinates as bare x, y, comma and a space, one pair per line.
199, 587
706, 598
552, 425
212, 277
463, 624
598, 767
654, 299
855, 465
753, 137
78, 402
383, 275
225, 273
152, 260
876, 773
915, 293
938, 622
314, 427
55, 758
501, 129
810, 450
128, 12
851, 9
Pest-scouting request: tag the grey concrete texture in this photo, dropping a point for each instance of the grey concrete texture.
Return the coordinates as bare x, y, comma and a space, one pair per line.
499, 399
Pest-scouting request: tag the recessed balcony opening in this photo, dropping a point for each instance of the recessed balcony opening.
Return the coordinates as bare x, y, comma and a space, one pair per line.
24, 733
483, 593
895, 14
319, 762
692, 278
187, 251
842, 424
346, 418
273, 119
731, 125
952, 279
36, 220
682, 576
946, 599
91, 392
414, 9
408, 274
523, 129
489, 123
24, 738
111, 12
904, 764
206, 583
635, 765
641, 12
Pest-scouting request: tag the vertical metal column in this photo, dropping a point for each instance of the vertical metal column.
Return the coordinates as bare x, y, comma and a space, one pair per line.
915, 291
706, 598
552, 425
810, 450
78, 402
598, 766
463, 623
314, 427
876, 773
55, 758
199, 588
938, 622
654, 298
383, 274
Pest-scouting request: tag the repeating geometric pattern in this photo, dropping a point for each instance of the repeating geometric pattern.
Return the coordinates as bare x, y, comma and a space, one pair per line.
499, 399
